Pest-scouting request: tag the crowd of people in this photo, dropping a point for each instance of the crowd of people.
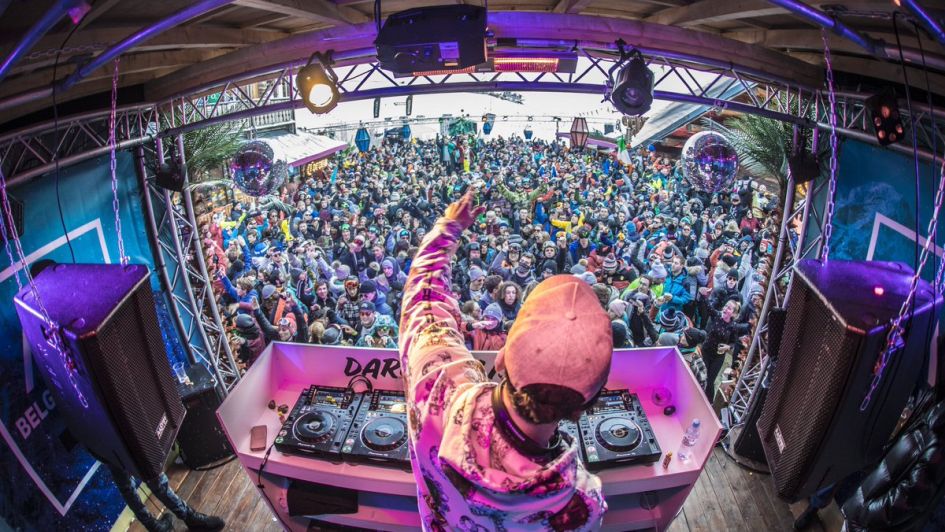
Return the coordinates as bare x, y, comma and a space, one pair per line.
326, 264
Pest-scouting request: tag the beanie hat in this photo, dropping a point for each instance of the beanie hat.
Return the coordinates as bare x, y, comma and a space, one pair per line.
729, 260
620, 333
671, 320
588, 278
493, 310
331, 336
578, 269
667, 339
245, 322
368, 287
541, 344
732, 274
296, 273
657, 271
476, 273
618, 306
549, 266
694, 336
268, 291
610, 264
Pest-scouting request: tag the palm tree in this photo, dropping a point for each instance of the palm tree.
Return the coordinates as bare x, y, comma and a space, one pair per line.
209, 148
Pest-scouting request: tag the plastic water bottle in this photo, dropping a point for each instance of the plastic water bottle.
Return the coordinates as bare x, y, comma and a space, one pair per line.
689, 441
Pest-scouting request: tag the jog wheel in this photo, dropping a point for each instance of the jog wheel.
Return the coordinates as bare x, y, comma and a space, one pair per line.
314, 427
384, 434
618, 434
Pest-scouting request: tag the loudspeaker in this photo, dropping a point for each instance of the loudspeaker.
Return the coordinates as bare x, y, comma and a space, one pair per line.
201, 439
811, 426
748, 443
103, 357
170, 177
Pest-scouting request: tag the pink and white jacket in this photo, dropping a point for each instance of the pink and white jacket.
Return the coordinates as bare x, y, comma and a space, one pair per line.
468, 477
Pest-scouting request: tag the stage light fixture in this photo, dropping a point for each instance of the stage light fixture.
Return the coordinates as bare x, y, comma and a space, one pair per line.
631, 91
318, 84
884, 115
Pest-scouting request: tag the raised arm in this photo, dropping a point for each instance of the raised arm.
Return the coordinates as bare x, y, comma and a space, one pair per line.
430, 339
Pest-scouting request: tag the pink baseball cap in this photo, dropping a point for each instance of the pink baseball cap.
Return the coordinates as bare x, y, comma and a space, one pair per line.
561, 336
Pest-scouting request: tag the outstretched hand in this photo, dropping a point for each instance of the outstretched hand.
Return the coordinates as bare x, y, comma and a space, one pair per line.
464, 211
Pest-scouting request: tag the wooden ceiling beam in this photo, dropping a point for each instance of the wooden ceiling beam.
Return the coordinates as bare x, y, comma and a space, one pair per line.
183, 36
97, 10
223, 11
131, 64
315, 10
709, 11
82, 90
570, 6
889, 72
809, 39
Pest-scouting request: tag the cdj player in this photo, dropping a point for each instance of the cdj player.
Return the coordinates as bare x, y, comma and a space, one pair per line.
379, 431
319, 422
615, 432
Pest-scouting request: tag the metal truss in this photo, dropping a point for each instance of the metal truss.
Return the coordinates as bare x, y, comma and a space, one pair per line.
31, 151
799, 212
176, 248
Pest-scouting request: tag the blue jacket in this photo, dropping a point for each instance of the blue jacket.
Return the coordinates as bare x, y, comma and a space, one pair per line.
679, 286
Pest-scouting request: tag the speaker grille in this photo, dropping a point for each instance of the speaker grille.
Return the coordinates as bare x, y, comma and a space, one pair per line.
135, 378
813, 367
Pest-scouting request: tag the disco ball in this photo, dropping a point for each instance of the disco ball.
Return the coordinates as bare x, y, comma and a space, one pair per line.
709, 162
255, 171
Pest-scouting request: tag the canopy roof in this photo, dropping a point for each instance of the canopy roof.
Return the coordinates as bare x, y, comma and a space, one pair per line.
244, 35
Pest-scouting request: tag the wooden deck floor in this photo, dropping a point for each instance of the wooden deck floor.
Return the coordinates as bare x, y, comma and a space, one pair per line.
726, 497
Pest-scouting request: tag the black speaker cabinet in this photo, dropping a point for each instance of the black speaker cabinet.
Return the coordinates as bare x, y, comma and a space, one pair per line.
811, 426
110, 376
201, 438
748, 443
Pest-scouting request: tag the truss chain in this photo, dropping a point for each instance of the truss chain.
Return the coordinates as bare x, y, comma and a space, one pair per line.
51, 331
896, 331
113, 144
832, 190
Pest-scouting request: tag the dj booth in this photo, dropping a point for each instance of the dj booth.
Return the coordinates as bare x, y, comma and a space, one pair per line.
339, 480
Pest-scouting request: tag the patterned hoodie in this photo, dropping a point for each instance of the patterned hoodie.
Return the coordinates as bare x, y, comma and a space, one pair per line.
468, 477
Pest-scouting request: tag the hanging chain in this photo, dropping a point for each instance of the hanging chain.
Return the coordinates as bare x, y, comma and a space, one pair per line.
113, 143
8, 239
51, 331
894, 338
832, 186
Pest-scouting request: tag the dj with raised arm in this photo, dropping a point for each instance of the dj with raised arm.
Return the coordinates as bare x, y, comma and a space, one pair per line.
488, 456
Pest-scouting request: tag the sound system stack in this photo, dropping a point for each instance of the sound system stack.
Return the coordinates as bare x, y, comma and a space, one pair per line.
811, 426
745, 445
109, 373
201, 439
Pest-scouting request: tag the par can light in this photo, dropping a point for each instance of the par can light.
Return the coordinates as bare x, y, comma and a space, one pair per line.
318, 84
